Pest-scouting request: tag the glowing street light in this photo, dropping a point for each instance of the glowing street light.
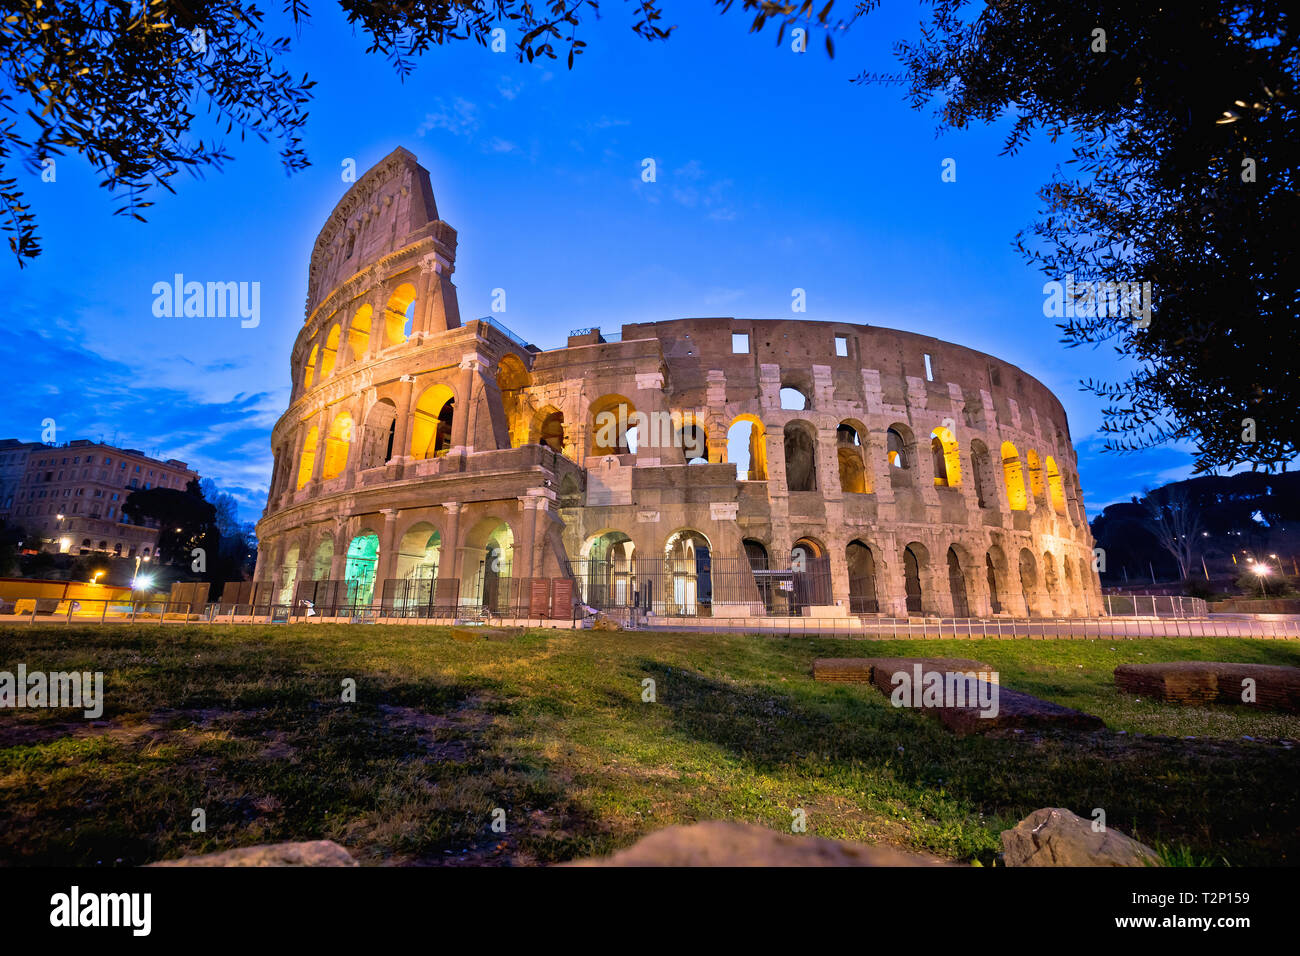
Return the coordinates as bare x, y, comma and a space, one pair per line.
1261, 571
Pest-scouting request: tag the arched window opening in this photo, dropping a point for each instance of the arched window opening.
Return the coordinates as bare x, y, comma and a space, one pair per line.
1014, 476
793, 399
512, 381
323, 560
431, 428
288, 576
399, 314
896, 450
551, 433
309, 372
947, 458
359, 572
957, 585
853, 469
800, 457
329, 355
913, 561
995, 596
378, 435
612, 416
688, 573
610, 579
336, 446
694, 443
747, 448
359, 333
862, 579
418, 555
1028, 580
307, 463
1055, 487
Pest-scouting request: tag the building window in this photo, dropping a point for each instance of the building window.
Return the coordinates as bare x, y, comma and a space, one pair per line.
842, 346
929, 372
739, 343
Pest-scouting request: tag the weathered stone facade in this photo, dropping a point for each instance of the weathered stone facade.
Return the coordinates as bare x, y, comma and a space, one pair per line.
935, 479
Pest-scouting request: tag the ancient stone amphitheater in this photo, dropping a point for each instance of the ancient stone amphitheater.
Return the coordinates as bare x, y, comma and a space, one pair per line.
713, 467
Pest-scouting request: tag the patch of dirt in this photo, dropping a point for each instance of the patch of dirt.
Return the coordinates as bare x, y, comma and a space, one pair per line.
445, 737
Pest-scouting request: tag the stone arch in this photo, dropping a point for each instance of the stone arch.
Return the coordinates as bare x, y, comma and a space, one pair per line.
433, 418
547, 429
399, 314
1013, 475
322, 559
570, 495
1050, 582
330, 353
796, 392
854, 478
747, 447
359, 333
1028, 581
981, 467
961, 606
361, 567
610, 578
488, 562
1055, 488
288, 575
947, 458
861, 561
307, 461
512, 381
419, 552
688, 573
612, 416
336, 446
899, 445
756, 553
692, 437
378, 435
800, 456
309, 370
995, 572
916, 566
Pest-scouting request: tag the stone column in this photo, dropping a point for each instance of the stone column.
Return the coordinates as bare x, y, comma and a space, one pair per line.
461, 435
523, 560
542, 515
451, 545
405, 414
386, 566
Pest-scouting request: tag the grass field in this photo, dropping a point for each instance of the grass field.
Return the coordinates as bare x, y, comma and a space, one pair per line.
247, 723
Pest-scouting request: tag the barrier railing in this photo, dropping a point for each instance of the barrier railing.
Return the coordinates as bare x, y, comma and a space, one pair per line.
1154, 605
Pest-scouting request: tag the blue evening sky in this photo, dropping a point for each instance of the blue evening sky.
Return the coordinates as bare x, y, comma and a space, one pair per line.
774, 172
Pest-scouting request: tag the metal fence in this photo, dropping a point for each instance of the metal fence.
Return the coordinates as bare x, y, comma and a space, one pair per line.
700, 585
112, 611
1154, 605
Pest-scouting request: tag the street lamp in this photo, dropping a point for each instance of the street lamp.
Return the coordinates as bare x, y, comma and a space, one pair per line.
1261, 572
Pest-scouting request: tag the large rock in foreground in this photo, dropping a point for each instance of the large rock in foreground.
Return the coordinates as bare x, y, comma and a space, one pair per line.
1015, 709
1054, 836
313, 853
723, 843
1206, 682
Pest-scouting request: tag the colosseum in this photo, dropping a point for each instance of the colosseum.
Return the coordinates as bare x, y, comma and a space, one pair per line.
688, 468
